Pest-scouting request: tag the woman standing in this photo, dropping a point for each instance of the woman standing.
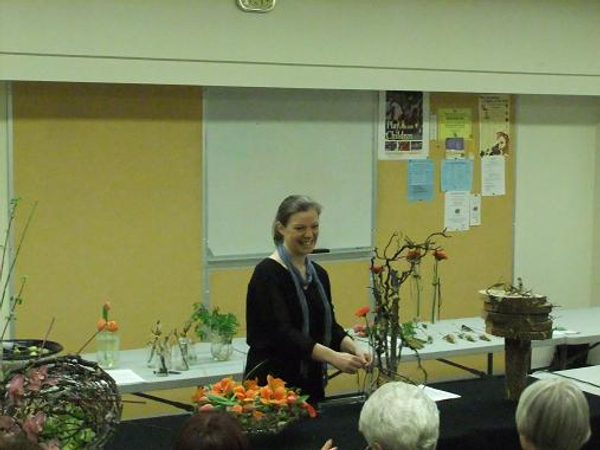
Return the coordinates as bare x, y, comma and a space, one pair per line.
291, 326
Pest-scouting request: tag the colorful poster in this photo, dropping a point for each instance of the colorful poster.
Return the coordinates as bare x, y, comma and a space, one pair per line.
455, 123
404, 125
494, 125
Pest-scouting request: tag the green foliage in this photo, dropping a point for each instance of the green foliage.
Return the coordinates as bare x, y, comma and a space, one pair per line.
69, 428
224, 324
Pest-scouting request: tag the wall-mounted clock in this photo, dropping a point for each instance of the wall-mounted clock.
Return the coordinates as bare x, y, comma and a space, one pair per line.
256, 5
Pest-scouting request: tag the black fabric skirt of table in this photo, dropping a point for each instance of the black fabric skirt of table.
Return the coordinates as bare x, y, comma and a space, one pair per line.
480, 420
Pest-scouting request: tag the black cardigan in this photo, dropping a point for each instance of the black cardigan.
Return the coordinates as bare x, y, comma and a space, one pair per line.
274, 328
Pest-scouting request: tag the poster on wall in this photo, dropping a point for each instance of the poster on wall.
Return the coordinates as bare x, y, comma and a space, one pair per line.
403, 125
494, 125
455, 127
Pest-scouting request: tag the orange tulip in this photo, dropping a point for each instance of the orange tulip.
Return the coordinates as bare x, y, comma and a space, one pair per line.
274, 383
237, 409
312, 412
112, 325
376, 269
200, 395
101, 325
440, 255
362, 311
413, 255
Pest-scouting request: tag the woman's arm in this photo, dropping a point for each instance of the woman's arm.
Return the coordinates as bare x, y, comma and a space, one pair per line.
346, 362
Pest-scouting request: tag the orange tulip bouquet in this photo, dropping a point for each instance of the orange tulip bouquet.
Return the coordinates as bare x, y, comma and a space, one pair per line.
258, 408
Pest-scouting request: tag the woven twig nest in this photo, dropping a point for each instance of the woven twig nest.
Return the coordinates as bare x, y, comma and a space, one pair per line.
80, 403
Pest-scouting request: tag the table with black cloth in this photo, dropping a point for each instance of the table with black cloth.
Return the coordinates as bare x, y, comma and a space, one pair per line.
481, 419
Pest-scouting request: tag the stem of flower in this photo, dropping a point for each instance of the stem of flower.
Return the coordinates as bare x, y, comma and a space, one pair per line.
18, 250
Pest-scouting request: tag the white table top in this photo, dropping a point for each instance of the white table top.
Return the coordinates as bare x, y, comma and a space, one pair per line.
582, 326
204, 371
587, 378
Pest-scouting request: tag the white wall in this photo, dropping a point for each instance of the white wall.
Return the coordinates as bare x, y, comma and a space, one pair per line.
513, 46
556, 196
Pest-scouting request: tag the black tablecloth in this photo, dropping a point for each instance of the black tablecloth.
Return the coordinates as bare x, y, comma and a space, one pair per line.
481, 419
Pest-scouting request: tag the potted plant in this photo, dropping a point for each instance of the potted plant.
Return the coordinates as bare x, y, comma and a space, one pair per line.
219, 327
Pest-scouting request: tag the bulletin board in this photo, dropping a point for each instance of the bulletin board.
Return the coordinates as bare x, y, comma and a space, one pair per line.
479, 257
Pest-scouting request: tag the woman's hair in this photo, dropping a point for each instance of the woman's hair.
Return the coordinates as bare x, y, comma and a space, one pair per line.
290, 206
553, 414
399, 416
212, 430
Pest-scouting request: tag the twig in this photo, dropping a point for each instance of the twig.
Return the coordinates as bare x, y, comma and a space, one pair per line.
46, 336
89, 340
14, 261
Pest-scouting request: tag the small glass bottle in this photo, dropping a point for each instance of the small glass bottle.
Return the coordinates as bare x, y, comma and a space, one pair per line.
221, 347
181, 354
162, 360
107, 349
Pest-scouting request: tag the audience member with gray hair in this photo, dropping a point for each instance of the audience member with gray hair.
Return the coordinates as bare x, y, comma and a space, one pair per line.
399, 416
553, 414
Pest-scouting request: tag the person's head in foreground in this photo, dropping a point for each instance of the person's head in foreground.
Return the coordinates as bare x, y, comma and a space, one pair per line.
212, 430
399, 416
553, 414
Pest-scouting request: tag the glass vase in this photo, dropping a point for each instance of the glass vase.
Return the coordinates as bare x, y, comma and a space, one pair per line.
181, 354
162, 360
107, 349
221, 347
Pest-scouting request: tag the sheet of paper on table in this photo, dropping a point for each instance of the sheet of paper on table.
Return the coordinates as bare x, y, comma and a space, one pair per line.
438, 395
125, 376
587, 378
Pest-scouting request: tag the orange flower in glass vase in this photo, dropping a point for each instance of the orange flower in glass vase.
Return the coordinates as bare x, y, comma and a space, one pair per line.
107, 340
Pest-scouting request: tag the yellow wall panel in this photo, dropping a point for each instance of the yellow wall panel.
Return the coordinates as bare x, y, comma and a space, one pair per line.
116, 171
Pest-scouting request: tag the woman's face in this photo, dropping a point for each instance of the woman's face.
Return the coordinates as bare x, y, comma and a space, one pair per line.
301, 232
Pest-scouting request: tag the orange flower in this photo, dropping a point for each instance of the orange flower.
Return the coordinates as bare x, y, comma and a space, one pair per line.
223, 387
376, 269
274, 383
251, 394
112, 325
413, 255
101, 325
440, 255
199, 395
312, 412
257, 414
251, 384
237, 409
362, 311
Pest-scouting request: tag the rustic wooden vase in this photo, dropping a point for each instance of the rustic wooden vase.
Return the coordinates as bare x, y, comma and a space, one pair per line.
519, 319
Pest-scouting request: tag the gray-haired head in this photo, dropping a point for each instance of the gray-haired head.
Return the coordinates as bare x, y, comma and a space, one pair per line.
289, 206
399, 416
553, 414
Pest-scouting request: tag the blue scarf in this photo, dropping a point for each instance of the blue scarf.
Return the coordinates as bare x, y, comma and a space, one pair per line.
311, 275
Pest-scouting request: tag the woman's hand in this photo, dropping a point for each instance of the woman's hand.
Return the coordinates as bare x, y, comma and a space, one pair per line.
347, 362
349, 346
329, 445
